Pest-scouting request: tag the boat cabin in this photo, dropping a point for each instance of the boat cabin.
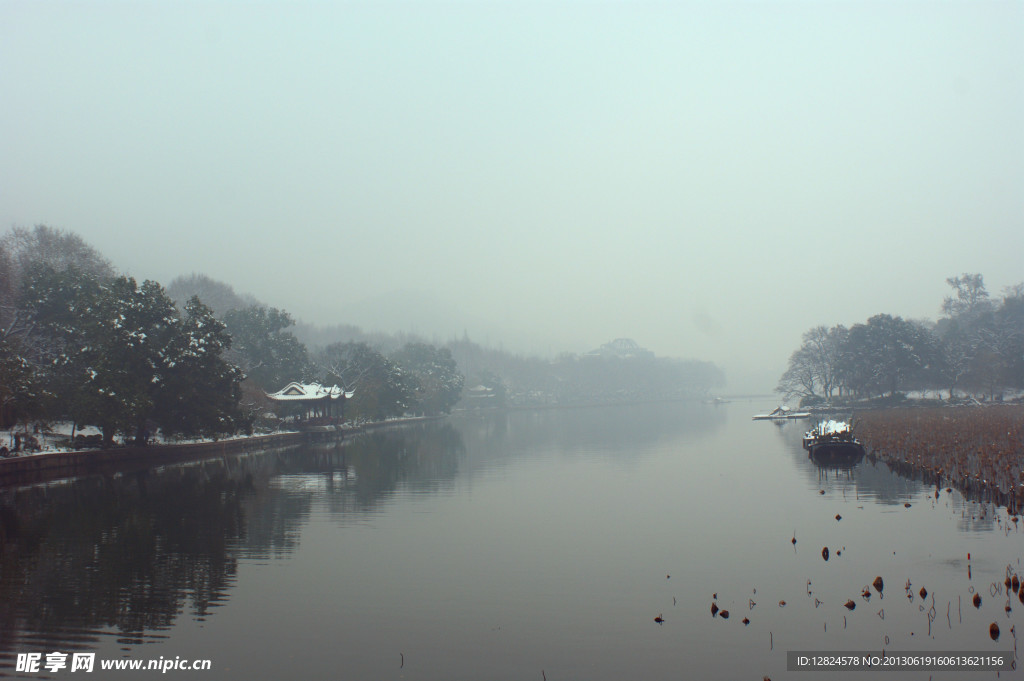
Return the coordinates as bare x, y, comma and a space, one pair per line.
832, 442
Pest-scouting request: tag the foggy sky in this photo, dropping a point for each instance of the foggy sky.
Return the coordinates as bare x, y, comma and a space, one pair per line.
708, 178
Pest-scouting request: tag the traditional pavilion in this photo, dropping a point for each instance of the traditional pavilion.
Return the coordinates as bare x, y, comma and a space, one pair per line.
317, 401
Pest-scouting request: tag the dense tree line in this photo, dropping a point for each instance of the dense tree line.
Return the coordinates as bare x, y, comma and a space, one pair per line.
605, 375
417, 378
977, 348
82, 344
86, 346
512, 379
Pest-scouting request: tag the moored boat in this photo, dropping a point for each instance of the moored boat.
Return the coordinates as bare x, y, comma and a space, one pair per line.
833, 441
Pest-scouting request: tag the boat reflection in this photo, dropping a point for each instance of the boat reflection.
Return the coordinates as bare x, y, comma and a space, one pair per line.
837, 458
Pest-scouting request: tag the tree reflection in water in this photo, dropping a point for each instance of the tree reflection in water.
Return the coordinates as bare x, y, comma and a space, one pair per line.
126, 555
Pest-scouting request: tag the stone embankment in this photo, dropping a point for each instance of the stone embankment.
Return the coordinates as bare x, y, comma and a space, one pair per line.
44, 466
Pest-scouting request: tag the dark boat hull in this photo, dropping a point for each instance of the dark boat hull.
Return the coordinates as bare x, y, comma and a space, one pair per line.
836, 454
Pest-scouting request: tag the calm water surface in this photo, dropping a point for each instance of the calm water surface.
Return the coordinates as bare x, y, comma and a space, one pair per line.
526, 545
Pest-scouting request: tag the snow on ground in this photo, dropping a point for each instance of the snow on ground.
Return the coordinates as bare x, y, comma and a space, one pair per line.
58, 435
49, 441
943, 394
57, 438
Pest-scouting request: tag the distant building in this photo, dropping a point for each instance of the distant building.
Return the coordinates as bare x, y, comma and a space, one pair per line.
620, 347
481, 397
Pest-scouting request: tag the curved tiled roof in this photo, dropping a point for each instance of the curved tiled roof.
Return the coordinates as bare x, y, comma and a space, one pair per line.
300, 392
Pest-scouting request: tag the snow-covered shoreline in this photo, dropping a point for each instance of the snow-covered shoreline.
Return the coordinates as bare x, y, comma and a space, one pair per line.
46, 465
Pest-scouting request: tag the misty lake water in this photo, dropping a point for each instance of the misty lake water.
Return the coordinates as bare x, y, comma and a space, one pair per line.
520, 545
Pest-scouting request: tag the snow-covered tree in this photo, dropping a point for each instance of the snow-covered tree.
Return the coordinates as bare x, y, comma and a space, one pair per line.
118, 356
263, 349
217, 295
815, 365
887, 354
20, 399
198, 390
382, 389
982, 341
970, 297
800, 378
440, 383
54, 248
